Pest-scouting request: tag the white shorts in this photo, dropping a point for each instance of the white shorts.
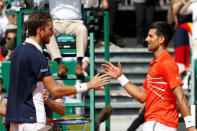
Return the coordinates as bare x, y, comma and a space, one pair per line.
156, 126
27, 126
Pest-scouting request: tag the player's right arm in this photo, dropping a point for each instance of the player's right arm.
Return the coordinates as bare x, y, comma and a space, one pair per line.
136, 92
116, 73
60, 91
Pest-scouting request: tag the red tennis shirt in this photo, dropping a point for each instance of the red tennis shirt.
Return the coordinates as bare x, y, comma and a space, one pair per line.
162, 77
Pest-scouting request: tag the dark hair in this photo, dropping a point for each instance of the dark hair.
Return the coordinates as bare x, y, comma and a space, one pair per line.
163, 29
36, 20
10, 31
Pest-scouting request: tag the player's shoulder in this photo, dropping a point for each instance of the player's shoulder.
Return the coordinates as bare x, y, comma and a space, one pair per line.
167, 60
32, 50
168, 64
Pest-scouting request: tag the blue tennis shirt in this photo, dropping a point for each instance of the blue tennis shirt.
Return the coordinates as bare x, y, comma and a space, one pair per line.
28, 67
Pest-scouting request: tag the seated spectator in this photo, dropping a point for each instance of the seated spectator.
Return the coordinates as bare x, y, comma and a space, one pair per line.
9, 42
67, 21
3, 101
11, 33
27, 4
12, 19
3, 19
3, 53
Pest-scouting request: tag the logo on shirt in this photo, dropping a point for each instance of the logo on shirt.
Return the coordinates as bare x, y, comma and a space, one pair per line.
153, 70
44, 70
31, 117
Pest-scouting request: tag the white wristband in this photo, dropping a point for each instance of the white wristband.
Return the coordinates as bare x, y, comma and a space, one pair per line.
123, 80
81, 87
7, 57
189, 121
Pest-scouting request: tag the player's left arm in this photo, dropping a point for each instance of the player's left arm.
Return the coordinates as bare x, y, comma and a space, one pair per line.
3, 105
183, 105
56, 105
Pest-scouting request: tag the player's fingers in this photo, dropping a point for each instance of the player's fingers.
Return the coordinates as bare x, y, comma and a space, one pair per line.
104, 75
106, 80
109, 63
119, 65
105, 67
105, 83
97, 75
104, 72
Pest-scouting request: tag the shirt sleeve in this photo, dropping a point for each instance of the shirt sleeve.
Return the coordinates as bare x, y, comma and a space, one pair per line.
145, 84
40, 67
170, 72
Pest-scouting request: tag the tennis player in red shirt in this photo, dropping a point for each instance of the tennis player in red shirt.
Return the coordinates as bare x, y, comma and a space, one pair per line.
162, 86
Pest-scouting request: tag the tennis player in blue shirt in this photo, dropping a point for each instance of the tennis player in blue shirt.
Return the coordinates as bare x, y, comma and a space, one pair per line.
29, 70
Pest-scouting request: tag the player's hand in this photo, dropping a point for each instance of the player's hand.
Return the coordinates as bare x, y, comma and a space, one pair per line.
49, 122
112, 70
191, 129
46, 97
98, 81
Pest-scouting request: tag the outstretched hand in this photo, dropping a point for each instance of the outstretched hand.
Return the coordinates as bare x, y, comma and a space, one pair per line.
112, 70
98, 81
191, 129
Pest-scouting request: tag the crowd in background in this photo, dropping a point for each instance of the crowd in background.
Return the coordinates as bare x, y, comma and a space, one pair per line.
182, 15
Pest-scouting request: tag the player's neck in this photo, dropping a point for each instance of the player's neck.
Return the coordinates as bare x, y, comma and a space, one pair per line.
159, 51
36, 39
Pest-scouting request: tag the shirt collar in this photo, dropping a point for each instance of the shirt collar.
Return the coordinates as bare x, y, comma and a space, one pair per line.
30, 41
157, 59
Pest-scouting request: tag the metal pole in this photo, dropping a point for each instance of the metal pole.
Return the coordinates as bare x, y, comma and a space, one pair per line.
92, 92
194, 76
19, 27
106, 39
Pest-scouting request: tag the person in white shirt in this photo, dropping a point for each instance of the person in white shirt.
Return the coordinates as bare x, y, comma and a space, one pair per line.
67, 20
3, 19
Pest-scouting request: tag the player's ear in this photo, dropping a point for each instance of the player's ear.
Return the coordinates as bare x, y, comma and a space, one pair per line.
162, 39
39, 30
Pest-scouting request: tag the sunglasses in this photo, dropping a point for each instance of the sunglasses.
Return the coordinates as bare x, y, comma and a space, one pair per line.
8, 38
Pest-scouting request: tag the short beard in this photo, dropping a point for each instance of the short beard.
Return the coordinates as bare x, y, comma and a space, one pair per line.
45, 42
